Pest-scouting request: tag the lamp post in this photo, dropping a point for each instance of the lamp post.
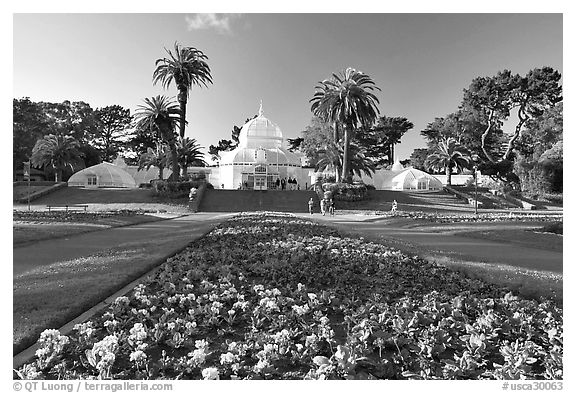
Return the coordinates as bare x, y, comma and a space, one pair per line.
476, 190
475, 159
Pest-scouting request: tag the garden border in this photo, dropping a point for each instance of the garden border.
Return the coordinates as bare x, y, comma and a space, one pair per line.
26, 355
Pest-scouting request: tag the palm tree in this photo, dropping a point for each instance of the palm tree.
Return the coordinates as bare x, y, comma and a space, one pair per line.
57, 152
157, 158
446, 155
189, 154
160, 115
330, 158
347, 101
186, 67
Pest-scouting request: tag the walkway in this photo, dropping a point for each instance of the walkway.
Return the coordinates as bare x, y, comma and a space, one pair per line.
179, 231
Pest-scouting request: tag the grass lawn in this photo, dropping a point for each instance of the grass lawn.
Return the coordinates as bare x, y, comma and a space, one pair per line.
50, 296
541, 240
29, 228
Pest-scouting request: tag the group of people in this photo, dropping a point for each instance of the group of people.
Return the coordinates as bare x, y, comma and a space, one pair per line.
326, 205
287, 183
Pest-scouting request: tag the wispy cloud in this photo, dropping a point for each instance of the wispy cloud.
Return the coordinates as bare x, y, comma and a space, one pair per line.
219, 22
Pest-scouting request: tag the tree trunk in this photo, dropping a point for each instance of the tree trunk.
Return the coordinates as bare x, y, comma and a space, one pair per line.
58, 175
182, 99
391, 158
161, 173
346, 159
175, 167
336, 132
517, 134
448, 175
184, 171
485, 135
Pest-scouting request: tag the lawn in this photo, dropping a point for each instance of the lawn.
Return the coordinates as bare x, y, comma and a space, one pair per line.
529, 238
34, 226
275, 297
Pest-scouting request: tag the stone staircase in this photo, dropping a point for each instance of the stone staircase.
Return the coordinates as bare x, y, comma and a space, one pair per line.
249, 200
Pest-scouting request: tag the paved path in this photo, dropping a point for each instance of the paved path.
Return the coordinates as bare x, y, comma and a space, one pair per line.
180, 231
447, 242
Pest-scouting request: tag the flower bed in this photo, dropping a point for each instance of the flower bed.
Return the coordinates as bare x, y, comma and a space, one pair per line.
483, 217
34, 215
274, 297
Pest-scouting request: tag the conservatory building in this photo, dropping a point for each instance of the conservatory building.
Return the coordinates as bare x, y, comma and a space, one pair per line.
260, 160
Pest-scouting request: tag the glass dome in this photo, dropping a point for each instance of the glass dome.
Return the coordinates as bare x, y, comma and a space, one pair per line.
260, 132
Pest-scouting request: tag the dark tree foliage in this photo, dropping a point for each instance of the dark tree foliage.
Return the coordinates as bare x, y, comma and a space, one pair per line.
539, 153
34, 120
295, 143
29, 123
418, 158
113, 128
380, 139
498, 96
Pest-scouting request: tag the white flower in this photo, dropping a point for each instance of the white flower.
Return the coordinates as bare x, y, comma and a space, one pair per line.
312, 296
231, 312
138, 332
138, 356
210, 373
201, 344
228, 358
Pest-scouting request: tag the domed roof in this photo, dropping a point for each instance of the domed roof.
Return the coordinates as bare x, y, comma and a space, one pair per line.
108, 175
408, 179
260, 132
278, 155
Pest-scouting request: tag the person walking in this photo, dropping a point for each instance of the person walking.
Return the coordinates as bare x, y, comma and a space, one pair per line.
394, 206
283, 183
323, 206
332, 207
311, 205
277, 183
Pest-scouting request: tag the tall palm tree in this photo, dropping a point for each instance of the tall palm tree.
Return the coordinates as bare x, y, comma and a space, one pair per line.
186, 66
157, 158
348, 101
57, 152
160, 115
189, 154
330, 159
448, 154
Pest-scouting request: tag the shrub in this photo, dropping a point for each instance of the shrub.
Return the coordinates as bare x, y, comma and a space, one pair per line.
175, 189
347, 192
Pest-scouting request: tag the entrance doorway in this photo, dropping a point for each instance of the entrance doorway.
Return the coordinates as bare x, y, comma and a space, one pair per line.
260, 182
261, 177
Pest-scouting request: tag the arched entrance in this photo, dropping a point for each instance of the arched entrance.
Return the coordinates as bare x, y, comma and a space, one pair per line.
261, 177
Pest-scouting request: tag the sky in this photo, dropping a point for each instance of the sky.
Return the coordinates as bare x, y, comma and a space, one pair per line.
421, 62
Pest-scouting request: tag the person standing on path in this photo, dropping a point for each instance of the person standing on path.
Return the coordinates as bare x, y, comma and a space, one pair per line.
332, 207
394, 206
311, 205
323, 206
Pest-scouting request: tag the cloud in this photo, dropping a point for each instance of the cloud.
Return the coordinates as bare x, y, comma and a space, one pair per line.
220, 22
